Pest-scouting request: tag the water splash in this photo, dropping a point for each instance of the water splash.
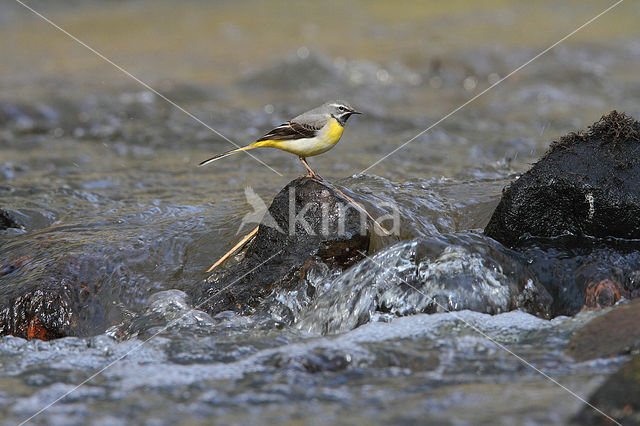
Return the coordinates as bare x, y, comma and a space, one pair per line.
446, 273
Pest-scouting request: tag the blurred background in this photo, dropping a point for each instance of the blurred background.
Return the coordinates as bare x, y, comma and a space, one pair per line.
93, 166
243, 67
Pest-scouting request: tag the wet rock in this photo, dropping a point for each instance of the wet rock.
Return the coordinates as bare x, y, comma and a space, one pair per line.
319, 361
586, 184
322, 229
583, 272
7, 221
617, 332
66, 299
603, 293
39, 312
618, 397
575, 216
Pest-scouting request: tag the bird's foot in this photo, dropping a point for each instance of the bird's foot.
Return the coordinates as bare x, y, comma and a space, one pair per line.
314, 176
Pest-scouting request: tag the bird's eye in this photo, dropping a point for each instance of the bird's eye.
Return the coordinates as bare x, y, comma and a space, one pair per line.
341, 108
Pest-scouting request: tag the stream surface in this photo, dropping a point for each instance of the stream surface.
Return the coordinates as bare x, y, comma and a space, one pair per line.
97, 168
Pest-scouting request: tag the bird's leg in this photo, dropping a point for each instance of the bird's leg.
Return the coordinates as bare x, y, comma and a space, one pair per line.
311, 172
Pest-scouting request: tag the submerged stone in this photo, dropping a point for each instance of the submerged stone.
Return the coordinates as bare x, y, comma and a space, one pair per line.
583, 272
617, 332
586, 184
428, 275
618, 397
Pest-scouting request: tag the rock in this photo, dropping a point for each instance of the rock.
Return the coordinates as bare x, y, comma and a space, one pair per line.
618, 397
617, 332
67, 298
583, 273
7, 221
575, 216
586, 184
604, 293
324, 228
41, 312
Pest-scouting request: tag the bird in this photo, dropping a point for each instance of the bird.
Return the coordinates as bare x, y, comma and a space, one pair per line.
311, 133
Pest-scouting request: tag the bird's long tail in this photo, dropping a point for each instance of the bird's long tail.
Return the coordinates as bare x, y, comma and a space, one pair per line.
226, 154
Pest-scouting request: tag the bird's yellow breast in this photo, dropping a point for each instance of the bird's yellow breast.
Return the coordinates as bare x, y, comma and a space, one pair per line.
326, 138
333, 131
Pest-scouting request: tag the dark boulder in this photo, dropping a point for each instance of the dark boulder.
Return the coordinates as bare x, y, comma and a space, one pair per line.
586, 184
308, 223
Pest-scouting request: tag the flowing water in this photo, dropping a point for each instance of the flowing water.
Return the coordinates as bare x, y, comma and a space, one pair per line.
100, 170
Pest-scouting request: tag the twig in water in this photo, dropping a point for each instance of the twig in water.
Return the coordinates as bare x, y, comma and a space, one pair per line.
235, 248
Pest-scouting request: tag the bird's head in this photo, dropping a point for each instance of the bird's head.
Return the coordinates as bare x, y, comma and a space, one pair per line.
341, 111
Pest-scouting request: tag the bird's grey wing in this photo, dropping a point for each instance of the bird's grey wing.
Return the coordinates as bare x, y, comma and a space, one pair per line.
293, 130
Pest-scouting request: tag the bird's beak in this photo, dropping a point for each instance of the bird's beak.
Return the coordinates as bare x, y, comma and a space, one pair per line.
353, 111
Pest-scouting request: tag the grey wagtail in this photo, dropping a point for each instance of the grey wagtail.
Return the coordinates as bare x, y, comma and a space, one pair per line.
311, 133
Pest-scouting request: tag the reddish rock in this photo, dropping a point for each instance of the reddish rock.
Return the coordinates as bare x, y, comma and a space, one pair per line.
64, 299
603, 294
37, 331
614, 333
